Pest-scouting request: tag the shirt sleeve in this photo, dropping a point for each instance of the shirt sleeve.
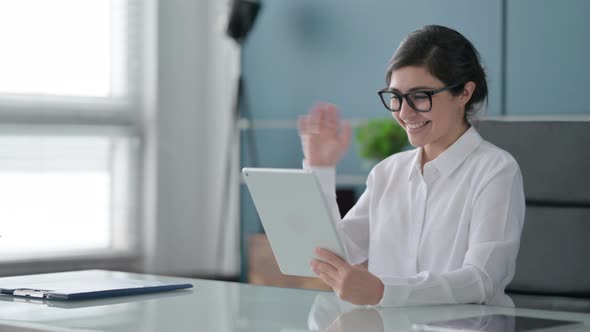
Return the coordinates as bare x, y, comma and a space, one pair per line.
353, 229
490, 260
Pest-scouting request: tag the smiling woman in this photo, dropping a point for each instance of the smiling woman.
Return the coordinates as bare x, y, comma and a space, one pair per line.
437, 224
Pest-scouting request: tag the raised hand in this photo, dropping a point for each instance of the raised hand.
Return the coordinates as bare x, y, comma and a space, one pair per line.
324, 137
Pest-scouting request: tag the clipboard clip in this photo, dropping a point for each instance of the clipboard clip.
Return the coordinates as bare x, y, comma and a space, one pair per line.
28, 292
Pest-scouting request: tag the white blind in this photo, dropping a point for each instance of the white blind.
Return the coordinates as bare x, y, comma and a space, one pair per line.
70, 96
78, 58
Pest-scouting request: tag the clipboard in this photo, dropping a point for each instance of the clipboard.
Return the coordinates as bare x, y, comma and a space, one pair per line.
84, 285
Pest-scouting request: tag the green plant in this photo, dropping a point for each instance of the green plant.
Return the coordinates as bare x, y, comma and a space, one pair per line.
380, 138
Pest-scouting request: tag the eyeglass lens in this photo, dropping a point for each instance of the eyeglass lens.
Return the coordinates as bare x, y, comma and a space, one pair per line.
419, 101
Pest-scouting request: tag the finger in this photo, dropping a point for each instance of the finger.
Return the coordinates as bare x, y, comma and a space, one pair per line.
332, 259
328, 280
323, 123
326, 268
331, 116
315, 118
302, 124
345, 135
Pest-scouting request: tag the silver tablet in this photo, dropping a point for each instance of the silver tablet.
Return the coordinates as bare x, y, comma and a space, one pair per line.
295, 216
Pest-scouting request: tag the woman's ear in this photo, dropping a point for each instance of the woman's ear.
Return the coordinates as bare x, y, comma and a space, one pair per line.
467, 93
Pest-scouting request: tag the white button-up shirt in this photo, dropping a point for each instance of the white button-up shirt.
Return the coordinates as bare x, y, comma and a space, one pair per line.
449, 234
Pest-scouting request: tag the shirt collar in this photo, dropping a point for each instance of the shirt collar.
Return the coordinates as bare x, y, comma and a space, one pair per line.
453, 156
415, 170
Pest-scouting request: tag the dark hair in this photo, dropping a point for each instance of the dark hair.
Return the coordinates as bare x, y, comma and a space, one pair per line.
448, 56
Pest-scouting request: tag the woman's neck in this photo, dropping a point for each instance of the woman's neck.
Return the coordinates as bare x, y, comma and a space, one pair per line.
433, 150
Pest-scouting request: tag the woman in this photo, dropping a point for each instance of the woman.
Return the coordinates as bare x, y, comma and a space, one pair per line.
437, 224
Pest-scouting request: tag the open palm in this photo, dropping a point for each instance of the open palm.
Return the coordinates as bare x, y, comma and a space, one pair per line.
324, 137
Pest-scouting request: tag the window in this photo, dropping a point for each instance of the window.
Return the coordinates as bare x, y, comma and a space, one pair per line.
59, 194
63, 47
69, 146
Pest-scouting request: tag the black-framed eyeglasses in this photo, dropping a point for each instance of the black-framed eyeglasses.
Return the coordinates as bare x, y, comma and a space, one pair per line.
421, 101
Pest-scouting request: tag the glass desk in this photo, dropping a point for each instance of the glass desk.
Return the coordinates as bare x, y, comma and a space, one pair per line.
224, 306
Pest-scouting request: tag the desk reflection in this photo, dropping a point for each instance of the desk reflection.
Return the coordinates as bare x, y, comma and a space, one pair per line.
329, 313
490, 323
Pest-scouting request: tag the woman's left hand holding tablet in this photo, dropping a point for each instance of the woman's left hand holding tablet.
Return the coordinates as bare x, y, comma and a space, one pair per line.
351, 283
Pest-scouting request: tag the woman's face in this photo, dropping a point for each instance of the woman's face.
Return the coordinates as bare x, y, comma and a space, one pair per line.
439, 128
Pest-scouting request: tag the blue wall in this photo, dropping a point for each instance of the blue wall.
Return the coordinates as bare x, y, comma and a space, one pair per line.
548, 49
304, 51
